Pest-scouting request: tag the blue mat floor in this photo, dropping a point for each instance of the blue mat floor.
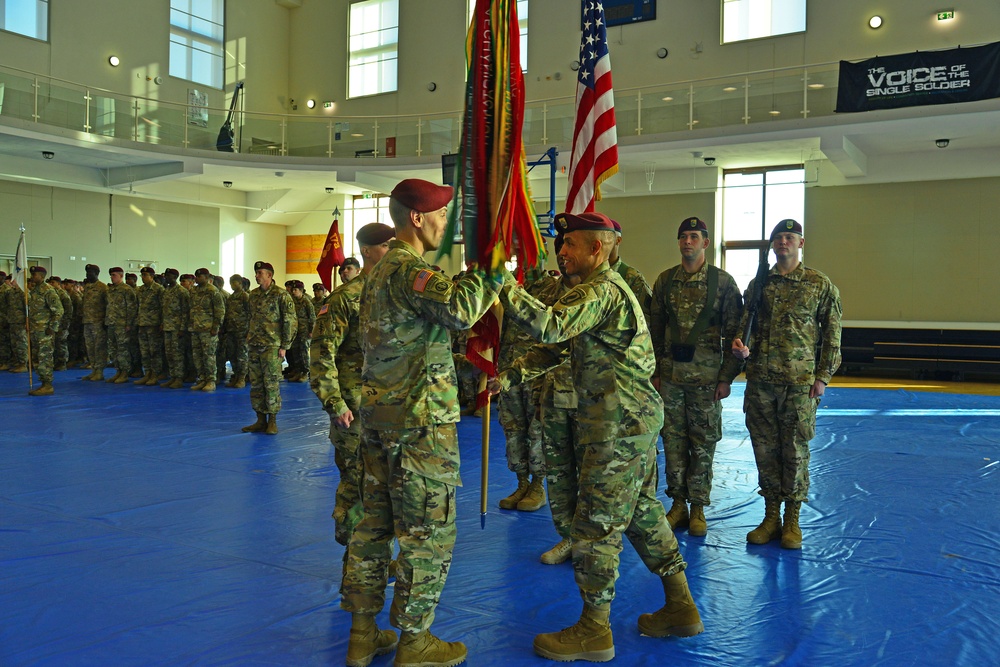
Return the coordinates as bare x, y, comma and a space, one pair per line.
139, 526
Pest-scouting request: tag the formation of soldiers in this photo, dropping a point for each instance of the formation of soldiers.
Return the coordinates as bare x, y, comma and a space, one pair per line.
597, 365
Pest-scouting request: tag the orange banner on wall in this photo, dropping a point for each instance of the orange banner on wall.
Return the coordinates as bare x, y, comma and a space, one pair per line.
302, 252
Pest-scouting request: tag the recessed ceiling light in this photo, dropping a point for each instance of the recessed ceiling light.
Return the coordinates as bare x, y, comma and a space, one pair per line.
815, 86
114, 61
668, 99
774, 112
875, 22
729, 89
356, 134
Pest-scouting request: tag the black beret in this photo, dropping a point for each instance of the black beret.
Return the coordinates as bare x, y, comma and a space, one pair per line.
421, 195
375, 233
692, 224
351, 261
148, 269
95, 267
787, 225
257, 266
203, 272
171, 272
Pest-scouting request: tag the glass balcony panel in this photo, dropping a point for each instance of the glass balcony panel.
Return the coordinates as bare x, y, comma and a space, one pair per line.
17, 96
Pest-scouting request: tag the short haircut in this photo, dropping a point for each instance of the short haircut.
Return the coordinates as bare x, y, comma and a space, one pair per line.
399, 213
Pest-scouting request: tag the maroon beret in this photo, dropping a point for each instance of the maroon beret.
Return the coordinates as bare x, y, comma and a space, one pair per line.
692, 224
171, 272
318, 286
55, 279
598, 222
38, 269
787, 225
375, 233
421, 195
257, 266
618, 228
116, 269
148, 269
2, 275
187, 276
203, 272
350, 261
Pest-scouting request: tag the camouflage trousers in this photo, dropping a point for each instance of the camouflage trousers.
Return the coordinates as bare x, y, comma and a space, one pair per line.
77, 350
96, 338
558, 432
516, 409
419, 511
782, 420
203, 346
298, 354
42, 352
692, 426
118, 344
4, 343
18, 344
617, 493
173, 346
134, 349
347, 510
151, 349
236, 352
265, 375
61, 348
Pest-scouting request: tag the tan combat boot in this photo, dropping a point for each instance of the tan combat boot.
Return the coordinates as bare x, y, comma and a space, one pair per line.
679, 617
239, 384
697, 526
97, 375
560, 553
511, 501
44, 390
198, 385
770, 528
272, 425
791, 534
677, 517
175, 383
121, 378
367, 641
534, 497
145, 379
20, 368
208, 386
590, 639
113, 378
422, 649
258, 425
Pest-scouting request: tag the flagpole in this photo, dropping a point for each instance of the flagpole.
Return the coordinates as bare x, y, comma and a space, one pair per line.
485, 474
21, 267
27, 329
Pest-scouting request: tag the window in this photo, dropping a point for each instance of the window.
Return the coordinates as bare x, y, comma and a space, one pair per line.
752, 19
364, 209
522, 25
373, 47
753, 202
26, 17
197, 30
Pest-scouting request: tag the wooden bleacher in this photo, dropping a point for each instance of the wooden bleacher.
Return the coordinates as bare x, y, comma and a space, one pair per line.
924, 353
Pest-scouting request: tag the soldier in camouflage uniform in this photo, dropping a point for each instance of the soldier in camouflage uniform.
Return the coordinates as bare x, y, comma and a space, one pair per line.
122, 319
45, 313
305, 315
176, 301
190, 370
635, 280
409, 442
794, 350
220, 348
600, 324
132, 333
320, 294
4, 323
272, 327
61, 341
694, 370
95, 309
208, 311
18, 334
236, 326
335, 370
150, 296
77, 350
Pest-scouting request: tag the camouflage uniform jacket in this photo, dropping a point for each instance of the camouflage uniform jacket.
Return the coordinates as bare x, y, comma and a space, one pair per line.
305, 314
208, 309
45, 309
409, 374
318, 301
176, 307
95, 302
67, 305
797, 337
557, 389
13, 301
4, 288
238, 312
77, 306
336, 356
637, 283
272, 318
600, 322
123, 306
150, 304
686, 294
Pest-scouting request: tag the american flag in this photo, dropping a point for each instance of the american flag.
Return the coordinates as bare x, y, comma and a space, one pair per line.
595, 139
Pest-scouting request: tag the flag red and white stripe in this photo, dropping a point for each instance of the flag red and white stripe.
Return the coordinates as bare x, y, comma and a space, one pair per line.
595, 137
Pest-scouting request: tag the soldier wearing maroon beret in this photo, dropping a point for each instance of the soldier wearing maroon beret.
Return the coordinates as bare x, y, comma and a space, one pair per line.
409, 407
60, 343
633, 278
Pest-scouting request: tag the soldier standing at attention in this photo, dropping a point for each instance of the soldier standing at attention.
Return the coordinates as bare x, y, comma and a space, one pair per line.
409, 442
349, 270
695, 317
132, 333
335, 371
305, 315
272, 327
237, 324
190, 371
220, 347
61, 340
618, 418
45, 312
150, 296
77, 350
319, 295
95, 309
121, 319
4, 323
208, 310
794, 352
635, 280
16, 323
176, 309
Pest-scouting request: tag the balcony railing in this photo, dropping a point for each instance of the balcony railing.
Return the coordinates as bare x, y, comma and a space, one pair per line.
739, 99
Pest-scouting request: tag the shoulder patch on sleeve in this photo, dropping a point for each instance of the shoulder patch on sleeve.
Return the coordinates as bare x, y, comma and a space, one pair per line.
420, 282
576, 296
322, 311
432, 285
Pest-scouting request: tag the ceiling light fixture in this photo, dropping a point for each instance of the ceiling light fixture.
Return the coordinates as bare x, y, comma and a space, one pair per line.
668, 99
311, 103
942, 143
875, 22
114, 61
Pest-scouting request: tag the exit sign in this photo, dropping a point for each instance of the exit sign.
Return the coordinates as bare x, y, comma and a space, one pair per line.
946, 16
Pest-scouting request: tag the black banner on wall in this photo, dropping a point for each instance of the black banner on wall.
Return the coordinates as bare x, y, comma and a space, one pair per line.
915, 79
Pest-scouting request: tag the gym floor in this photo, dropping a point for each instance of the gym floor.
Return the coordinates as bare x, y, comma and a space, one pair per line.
139, 526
